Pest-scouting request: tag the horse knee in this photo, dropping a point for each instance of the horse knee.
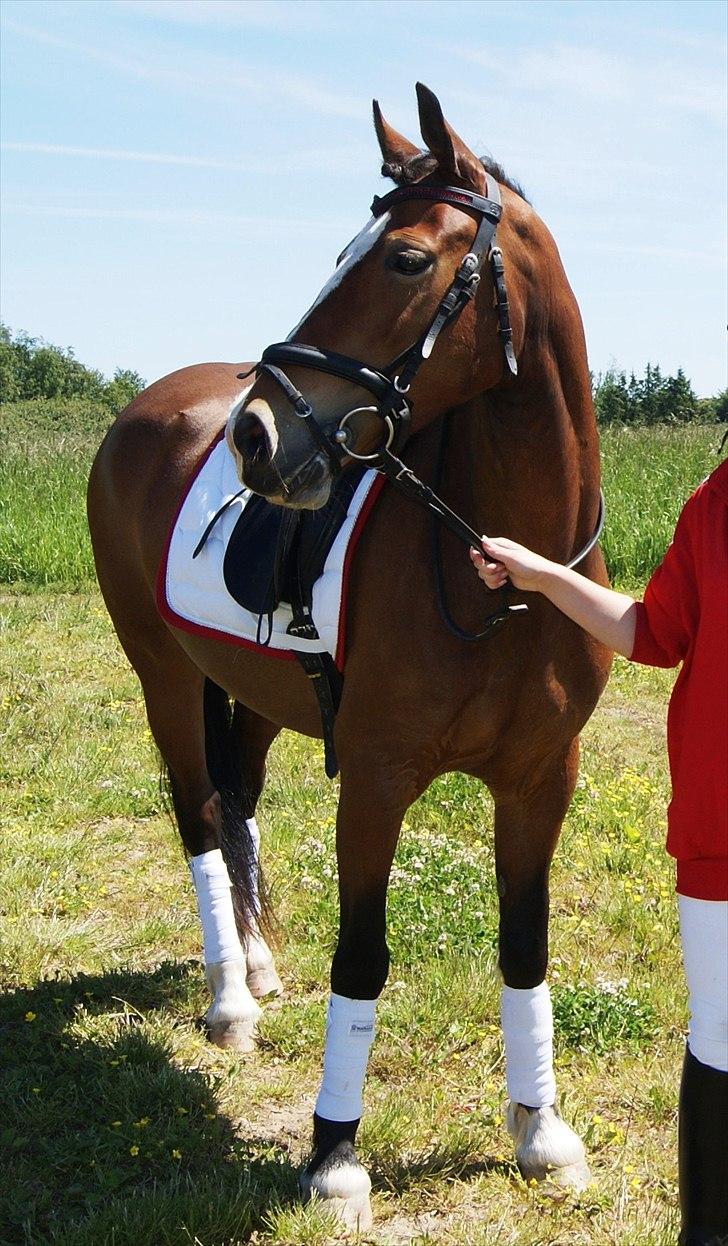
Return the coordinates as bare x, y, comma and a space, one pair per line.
523, 935
523, 957
359, 970
199, 818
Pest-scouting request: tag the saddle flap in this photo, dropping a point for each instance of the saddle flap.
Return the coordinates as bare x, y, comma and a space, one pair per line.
248, 566
275, 554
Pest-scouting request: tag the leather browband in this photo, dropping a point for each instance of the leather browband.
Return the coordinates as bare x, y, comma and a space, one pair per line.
438, 194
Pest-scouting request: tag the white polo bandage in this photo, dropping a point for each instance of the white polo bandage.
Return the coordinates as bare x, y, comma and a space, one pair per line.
220, 938
704, 932
349, 1035
528, 1033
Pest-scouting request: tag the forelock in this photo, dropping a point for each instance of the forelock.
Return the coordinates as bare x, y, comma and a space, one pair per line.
416, 168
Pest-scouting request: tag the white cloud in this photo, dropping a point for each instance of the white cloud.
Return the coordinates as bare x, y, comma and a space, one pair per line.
573, 70
603, 78
115, 153
178, 216
212, 77
332, 160
265, 14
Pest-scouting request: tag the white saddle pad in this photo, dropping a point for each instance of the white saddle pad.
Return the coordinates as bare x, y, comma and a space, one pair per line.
192, 594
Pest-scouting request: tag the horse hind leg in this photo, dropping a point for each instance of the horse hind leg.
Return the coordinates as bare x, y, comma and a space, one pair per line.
238, 962
190, 722
253, 736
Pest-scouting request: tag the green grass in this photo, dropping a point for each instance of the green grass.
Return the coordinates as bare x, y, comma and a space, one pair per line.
647, 473
47, 448
121, 1126
103, 991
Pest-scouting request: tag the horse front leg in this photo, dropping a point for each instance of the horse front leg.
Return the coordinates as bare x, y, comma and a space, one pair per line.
526, 831
367, 835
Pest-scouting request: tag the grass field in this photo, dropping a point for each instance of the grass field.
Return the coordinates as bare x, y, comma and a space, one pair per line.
122, 1126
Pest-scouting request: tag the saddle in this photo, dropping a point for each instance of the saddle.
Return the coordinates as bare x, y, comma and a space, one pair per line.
276, 555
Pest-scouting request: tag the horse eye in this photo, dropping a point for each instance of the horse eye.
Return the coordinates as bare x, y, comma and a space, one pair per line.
409, 262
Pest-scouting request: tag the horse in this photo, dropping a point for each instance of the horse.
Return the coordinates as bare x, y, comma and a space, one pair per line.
489, 394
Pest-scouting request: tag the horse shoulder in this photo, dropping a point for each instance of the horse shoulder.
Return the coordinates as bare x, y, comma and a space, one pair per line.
153, 445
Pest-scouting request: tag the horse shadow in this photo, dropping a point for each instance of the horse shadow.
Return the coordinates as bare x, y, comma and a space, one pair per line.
106, 1138
400, 1176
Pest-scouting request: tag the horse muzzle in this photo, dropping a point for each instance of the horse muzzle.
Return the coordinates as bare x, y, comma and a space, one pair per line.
257, 450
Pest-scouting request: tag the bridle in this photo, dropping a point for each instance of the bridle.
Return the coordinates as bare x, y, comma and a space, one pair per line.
391, 384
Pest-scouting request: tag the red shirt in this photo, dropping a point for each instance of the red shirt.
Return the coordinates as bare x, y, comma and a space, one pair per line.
684, 618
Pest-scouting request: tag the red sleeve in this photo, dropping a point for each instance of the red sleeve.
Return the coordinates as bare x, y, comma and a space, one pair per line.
667, 618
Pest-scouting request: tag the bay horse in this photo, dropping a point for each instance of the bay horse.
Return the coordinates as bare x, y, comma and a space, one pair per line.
518, 454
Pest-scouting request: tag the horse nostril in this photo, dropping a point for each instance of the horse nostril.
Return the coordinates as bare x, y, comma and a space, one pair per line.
249, 437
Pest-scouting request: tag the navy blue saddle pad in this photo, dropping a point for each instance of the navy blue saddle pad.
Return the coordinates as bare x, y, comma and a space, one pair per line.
275, 554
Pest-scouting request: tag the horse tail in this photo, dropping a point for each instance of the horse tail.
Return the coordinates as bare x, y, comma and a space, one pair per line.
239, 848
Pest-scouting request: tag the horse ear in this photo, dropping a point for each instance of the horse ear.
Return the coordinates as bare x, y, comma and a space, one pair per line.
395, 148
453, 157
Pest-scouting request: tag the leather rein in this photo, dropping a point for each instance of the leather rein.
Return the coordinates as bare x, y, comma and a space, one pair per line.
391, 384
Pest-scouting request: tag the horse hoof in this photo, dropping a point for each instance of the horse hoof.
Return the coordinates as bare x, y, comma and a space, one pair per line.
262, 978
547, 1148
233, 1035
233, 1014
343, 1185
262, 982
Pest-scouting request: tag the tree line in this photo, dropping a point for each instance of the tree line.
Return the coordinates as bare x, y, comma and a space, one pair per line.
32, 368
653, 399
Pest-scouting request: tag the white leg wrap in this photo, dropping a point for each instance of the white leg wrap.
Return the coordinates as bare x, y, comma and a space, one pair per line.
704, 931
528, 1030
220, 938
349, 1035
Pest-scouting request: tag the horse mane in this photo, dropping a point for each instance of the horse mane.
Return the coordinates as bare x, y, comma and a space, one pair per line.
415, 168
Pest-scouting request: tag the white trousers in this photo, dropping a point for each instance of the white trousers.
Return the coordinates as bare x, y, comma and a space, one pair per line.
704, 933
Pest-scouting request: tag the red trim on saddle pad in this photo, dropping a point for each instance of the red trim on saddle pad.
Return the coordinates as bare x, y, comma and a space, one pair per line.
173, 619
356, 532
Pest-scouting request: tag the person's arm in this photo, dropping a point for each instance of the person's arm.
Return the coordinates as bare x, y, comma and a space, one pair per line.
609, 616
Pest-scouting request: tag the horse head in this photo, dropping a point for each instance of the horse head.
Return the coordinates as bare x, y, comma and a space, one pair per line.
423, 263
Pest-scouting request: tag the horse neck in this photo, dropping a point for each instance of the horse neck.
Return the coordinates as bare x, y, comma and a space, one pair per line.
523, 457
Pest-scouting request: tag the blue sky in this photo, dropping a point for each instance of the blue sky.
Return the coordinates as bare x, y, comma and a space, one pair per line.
179, 176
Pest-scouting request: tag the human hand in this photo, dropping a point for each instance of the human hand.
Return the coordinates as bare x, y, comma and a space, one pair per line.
508, 560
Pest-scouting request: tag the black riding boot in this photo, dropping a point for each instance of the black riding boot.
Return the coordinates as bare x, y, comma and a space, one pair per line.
703, 1154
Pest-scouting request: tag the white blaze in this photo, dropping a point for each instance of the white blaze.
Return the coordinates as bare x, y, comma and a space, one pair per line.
355, 251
